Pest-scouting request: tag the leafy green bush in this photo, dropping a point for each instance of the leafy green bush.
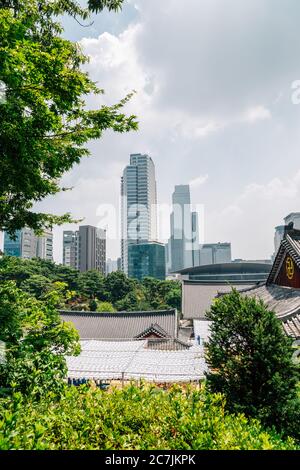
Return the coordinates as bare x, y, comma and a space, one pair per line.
145, 417
250, 360
36, 340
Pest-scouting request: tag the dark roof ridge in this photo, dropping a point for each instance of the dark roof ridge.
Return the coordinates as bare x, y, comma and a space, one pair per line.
117, 314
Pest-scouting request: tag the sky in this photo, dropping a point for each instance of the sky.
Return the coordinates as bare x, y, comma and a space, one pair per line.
216, 109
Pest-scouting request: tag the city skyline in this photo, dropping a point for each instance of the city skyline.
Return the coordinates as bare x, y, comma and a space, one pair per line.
216, 111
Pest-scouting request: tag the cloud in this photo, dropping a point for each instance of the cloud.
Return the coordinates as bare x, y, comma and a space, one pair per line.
199, 181
250, 220
213, 81
257, 113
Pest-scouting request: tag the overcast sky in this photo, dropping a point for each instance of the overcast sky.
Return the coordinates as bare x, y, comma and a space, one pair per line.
214, 104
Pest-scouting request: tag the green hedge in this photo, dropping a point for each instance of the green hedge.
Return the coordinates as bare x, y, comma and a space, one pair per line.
145, 417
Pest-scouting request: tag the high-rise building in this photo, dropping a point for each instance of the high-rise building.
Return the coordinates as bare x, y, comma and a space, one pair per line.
111, 266
92, 249
27, 245
139, 204
45, 246
215, 253
146, 260
184, 239
70, 248
195, 239
85, 249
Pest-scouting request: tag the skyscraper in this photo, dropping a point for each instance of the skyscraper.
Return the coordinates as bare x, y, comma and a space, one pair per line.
28, 245
85, 249
139, 204
45, 246
184, 239
147, 260
70, 248
92, 249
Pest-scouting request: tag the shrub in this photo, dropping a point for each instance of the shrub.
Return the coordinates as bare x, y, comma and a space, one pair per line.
132, 418
251, 361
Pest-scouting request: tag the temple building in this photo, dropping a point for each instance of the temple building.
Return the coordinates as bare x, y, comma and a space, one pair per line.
281, 292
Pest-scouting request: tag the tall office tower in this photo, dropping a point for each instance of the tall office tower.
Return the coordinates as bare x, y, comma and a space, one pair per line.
168, 257
92, 249
111, 266
27, 245
70, 248
139, 204
215, 253
184, 230
195, 239
45, 246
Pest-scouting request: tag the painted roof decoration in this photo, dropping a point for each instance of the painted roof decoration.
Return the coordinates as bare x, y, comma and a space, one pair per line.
286, 267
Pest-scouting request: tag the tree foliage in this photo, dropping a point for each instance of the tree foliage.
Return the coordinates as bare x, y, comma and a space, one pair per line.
39, 277
251, 362
36, 343
143, 417
45, 123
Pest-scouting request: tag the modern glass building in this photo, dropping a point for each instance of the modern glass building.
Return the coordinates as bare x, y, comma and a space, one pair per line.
147, 260
184, 240
13, 247
27, 245
139, 204
70, 248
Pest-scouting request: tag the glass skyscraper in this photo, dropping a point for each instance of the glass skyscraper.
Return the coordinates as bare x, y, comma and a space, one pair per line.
28, 245
147, 260
184, 240
13, 247
139, 204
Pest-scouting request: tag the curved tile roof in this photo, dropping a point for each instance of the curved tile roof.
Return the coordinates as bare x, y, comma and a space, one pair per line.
284, 302
121, 325
107, 360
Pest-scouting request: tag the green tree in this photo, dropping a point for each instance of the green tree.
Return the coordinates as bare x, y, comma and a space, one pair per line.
36, 343
117, 286
104, 307
91, 284
45, 123
36, 285
250, 361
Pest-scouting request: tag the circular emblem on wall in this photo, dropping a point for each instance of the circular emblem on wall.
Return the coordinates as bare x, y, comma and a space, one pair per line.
290, 269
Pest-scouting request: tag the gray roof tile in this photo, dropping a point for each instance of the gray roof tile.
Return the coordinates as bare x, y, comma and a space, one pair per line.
121, 325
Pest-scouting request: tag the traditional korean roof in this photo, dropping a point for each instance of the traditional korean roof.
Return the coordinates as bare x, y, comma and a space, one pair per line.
129, 360
197, 297
122, 325
290, 245
284, 302
153, 329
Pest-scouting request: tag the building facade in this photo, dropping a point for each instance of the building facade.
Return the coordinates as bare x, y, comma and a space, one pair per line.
85, 249
70, 248
215, 253
138, 204
92, 249
112, 266
184, 224
45, 246
146, 260
27, 245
